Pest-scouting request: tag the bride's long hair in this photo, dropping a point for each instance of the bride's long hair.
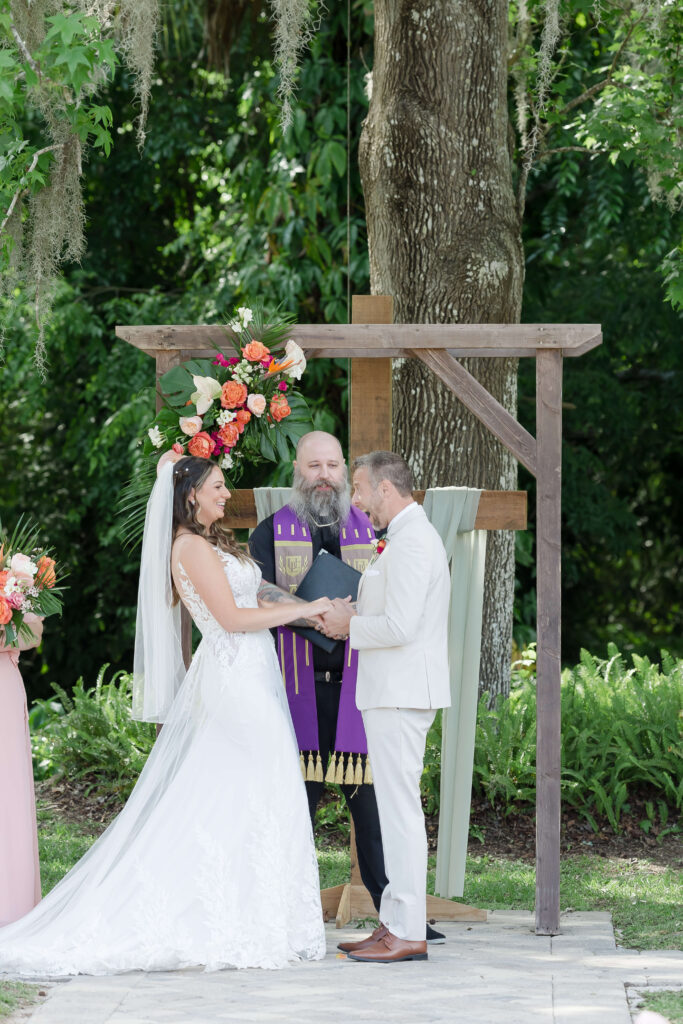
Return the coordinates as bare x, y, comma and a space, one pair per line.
189, 473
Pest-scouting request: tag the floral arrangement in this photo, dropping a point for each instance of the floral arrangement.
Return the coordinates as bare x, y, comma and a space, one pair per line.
28, 582
242, 407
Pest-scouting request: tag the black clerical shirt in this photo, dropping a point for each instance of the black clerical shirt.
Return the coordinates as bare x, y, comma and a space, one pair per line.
262, 548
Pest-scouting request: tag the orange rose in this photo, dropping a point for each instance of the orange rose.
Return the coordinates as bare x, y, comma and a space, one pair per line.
5, 612
279, 407
4, 575
46, 572
233, 394
229, 434
255, 351
242, 417
201, 445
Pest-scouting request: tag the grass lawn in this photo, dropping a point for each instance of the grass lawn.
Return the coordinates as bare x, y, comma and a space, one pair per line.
669, 1004
15, 995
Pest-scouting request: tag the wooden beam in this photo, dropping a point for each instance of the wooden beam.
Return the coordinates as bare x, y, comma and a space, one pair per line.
370, 384
382, 340
548, 596
498, 510
484, 406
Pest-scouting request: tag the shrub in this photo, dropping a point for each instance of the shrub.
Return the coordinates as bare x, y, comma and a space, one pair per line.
621, 739
90, 735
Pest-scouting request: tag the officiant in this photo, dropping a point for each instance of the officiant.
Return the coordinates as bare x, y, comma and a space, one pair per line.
320, 684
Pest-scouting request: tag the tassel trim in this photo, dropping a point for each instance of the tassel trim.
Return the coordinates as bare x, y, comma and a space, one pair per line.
343, 769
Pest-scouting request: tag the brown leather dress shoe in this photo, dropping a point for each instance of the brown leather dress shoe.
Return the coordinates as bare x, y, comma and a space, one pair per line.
351, 947
391, 950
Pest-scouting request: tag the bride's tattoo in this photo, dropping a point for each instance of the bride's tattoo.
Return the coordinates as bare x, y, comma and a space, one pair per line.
271, 593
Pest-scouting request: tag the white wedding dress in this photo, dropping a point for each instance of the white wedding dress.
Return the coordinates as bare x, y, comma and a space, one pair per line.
211, 862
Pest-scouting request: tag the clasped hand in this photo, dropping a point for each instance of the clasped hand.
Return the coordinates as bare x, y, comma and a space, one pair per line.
335, 622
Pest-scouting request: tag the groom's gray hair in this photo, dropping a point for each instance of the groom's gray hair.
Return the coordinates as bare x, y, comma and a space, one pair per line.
386, 466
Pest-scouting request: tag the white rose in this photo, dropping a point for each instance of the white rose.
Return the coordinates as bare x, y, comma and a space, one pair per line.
295, 356
155, 437
226, 462
256, 404
190, 425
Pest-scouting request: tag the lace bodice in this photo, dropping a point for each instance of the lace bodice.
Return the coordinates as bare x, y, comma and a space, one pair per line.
244, 579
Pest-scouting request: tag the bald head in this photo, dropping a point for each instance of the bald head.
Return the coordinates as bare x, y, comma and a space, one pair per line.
318, 439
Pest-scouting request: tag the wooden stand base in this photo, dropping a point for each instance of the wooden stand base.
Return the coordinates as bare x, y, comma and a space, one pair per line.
344, 902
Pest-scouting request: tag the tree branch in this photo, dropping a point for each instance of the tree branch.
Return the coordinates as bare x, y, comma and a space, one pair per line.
22, 191
594, 89
24, 49
568, 149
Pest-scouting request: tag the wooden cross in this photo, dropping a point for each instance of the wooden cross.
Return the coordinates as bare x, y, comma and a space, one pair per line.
371, 341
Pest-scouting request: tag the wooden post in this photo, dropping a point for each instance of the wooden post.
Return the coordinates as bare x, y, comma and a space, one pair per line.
369, 421
548, 555
370, 383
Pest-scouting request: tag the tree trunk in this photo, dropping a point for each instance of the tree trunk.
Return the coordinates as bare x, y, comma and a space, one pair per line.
445, 242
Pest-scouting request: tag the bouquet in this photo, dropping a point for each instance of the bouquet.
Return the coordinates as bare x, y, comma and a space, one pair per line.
28, 582
241, 407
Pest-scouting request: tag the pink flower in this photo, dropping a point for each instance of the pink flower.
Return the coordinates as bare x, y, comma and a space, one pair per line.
177, 448
233, 361
266, 362
23, 568
220, 360
256, 404
16, 600
190, 425
282, 386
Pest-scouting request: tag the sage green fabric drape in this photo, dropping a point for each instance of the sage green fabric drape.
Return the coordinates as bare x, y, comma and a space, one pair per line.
453, 511
270, 499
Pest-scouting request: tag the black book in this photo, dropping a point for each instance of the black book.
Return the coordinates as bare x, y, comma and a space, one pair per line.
327, 577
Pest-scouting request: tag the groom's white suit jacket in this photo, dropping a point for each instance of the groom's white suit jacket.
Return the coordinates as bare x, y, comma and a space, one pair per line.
402, 622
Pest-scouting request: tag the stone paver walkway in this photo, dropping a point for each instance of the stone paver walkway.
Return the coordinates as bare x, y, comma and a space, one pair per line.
486, 973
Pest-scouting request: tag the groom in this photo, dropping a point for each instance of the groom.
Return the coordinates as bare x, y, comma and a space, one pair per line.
400, 629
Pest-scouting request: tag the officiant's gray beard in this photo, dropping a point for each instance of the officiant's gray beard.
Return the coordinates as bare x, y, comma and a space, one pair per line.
314, 507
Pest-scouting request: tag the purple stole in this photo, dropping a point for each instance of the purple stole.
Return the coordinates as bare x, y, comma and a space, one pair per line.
293, 559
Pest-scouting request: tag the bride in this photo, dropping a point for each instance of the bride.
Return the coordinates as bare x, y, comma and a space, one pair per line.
211, 861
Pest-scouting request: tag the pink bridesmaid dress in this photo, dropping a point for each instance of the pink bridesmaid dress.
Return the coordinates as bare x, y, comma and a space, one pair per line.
19, 864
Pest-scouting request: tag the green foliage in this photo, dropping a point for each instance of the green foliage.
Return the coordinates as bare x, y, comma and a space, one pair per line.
606, 81
594, 241
90, 735
622, 739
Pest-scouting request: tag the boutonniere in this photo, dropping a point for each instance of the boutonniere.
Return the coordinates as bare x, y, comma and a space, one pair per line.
379, 545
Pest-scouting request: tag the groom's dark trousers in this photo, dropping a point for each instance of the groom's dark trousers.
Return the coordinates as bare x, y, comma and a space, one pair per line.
361, 800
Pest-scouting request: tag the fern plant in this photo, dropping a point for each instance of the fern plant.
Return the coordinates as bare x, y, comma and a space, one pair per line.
90, 735
622, 739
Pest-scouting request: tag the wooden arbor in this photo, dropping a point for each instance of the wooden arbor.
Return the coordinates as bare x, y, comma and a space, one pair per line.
371, 341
